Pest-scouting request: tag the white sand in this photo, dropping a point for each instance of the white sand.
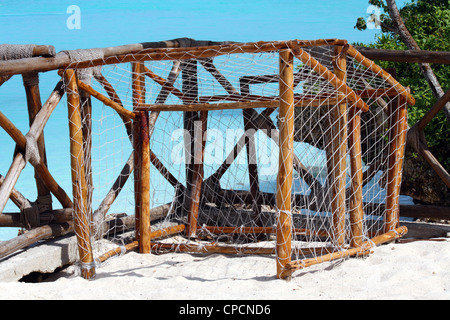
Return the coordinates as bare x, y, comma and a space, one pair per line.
419, 270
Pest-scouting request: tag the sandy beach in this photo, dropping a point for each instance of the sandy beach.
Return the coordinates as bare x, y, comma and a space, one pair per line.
416, 270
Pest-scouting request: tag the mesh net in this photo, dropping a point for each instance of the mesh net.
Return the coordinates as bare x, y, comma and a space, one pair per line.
214, 170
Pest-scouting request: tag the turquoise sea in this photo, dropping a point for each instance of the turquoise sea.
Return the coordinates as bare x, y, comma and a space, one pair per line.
111, 23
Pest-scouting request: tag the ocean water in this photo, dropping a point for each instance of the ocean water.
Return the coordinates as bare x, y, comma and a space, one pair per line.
116, 22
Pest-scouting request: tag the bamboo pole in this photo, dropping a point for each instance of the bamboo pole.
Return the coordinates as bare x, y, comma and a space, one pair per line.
397, 137
33, 236
366, 247
31, 84
144, 216
16, 197
352, 52
132, 53
266, 102
135, 244
163, 83
227, 249
13, 131
117, 107
61, 60
223, 81
10, 179
263, 230
82, 221
138, 82
13, 219
196, 52
284, 179
339, 153
337, 83
190, 93
434, 110
210, 248
86, 122
199, 138
356, 196
250, 130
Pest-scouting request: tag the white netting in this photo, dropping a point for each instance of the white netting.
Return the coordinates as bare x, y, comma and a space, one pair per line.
234, 163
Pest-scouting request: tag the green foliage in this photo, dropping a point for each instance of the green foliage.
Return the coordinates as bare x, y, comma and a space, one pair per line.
428, 21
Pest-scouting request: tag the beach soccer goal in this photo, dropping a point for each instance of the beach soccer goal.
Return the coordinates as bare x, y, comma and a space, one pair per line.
286, 148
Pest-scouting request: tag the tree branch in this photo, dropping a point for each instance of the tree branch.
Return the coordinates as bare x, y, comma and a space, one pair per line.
407, 38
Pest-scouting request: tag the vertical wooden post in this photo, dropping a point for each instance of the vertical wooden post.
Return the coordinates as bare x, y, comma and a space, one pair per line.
137, 150
194, 172
356, 197
250, 130
197, 173
286, 158
138, 93
397, 138
339, 153
86, 120
79, 185
144, 188
34, 104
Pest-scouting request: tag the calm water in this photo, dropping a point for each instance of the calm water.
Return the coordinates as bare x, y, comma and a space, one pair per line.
117, 22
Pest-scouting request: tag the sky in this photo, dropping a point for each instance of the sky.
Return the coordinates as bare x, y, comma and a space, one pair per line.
114, 22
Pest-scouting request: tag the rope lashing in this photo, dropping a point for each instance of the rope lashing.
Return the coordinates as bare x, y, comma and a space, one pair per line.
85, 75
